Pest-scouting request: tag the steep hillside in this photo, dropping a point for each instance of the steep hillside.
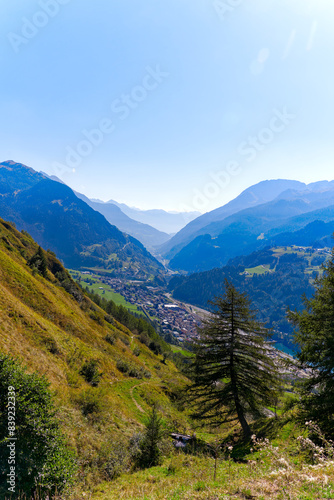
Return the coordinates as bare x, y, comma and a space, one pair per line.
105, 381
317, 234
51, 326
58, 220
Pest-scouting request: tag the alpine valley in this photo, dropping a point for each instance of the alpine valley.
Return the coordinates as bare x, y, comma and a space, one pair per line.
270, 241
102, 311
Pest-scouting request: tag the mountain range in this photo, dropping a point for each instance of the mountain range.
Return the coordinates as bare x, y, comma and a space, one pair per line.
146, 234
252, 221
255, 195
151, 227
274, 279
167, 222
58, 220
93, 234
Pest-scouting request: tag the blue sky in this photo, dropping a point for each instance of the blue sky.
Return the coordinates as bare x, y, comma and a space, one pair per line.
177, 104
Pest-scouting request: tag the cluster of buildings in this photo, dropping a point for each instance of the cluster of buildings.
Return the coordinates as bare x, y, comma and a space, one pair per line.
175, 318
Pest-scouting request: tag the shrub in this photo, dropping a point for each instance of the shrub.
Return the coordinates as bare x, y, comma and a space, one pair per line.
96, 317
122, 366
131, 370
155, 347
146, 373
144, 339
90, 372
42, 462
38, 262
128, 369
136, 351
52, 346
115, 457
73, 379
109, 319
110, 338
125, 340
91, 403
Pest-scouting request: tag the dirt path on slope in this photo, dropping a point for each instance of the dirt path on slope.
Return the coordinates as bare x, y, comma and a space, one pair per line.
133, 399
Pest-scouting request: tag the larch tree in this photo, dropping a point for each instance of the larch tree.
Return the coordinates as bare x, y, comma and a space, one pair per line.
234, 374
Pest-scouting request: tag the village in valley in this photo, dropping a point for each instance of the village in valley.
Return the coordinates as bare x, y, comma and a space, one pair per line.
176, 320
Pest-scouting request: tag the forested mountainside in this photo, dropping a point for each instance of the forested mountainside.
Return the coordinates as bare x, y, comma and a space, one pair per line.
57, 219
274, 278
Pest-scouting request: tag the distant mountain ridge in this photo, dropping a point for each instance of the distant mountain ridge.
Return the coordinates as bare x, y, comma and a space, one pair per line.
115, 213
255, 195
57, 219
253, 227
146, 234
167, 222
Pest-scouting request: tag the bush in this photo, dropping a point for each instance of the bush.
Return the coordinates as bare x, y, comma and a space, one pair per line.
128, 369
90, 372
91, 403
38, 263
73, 379
96, 317
115, 458
125, 340
144, 339
110, 338
51, 346
42, 460
131, 370
155, 347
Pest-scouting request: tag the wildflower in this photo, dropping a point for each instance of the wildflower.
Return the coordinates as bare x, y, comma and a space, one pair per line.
283, 462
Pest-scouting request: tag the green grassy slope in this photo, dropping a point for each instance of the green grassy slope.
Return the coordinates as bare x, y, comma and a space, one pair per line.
54, 332
50, 325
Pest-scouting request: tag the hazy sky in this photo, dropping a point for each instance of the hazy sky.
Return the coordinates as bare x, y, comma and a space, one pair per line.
174, 104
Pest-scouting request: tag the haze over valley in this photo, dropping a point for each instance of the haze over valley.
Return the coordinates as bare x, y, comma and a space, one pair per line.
270, 241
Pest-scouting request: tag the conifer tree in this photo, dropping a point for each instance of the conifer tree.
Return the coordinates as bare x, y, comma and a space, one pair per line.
315, 338
38, 261
150, 453
233, 373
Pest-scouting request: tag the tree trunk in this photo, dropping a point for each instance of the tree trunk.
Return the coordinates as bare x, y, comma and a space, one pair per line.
242, 420
238, 406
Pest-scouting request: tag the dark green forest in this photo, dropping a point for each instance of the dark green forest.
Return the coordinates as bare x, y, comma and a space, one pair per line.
284, 277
